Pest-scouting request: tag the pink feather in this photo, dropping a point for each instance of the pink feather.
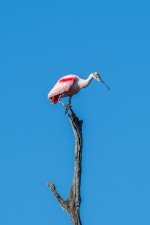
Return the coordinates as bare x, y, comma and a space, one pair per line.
62, 88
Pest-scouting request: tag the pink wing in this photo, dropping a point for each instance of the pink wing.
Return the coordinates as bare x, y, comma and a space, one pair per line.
63, 85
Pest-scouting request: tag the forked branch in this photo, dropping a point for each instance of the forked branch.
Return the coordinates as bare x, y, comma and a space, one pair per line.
72, 204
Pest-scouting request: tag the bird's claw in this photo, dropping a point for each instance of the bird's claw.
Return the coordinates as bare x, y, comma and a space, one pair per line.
68, 107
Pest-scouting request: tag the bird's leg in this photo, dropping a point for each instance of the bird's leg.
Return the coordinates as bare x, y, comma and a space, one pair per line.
69, 107
66, 106
62, 103
69, 101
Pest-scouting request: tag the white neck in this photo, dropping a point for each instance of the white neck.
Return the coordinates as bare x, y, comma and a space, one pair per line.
87, 81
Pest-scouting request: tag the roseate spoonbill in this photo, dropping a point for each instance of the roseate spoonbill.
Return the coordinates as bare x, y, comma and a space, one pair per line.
70, 85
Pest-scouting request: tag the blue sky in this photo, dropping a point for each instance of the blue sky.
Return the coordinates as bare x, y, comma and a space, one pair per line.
41, 41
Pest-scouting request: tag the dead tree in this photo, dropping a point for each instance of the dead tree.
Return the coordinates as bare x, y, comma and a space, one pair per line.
72, 204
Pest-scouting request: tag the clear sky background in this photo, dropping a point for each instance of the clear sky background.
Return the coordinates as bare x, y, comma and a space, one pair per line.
41, 41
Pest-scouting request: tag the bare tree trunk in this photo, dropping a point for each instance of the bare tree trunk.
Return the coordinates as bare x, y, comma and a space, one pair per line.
72, 204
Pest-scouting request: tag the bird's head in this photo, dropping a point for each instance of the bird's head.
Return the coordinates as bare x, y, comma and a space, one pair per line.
97, 77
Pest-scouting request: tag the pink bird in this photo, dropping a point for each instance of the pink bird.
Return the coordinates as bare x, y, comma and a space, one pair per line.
70, 85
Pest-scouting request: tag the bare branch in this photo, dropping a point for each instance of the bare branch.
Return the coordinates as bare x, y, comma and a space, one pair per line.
72, 205
57, 196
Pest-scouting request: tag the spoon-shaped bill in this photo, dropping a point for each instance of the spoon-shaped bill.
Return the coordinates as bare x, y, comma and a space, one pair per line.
105, 84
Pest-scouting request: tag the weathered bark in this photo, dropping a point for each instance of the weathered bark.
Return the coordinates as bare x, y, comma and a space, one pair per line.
72, 204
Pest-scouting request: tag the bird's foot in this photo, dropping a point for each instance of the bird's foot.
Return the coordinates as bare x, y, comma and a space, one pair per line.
68, 107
